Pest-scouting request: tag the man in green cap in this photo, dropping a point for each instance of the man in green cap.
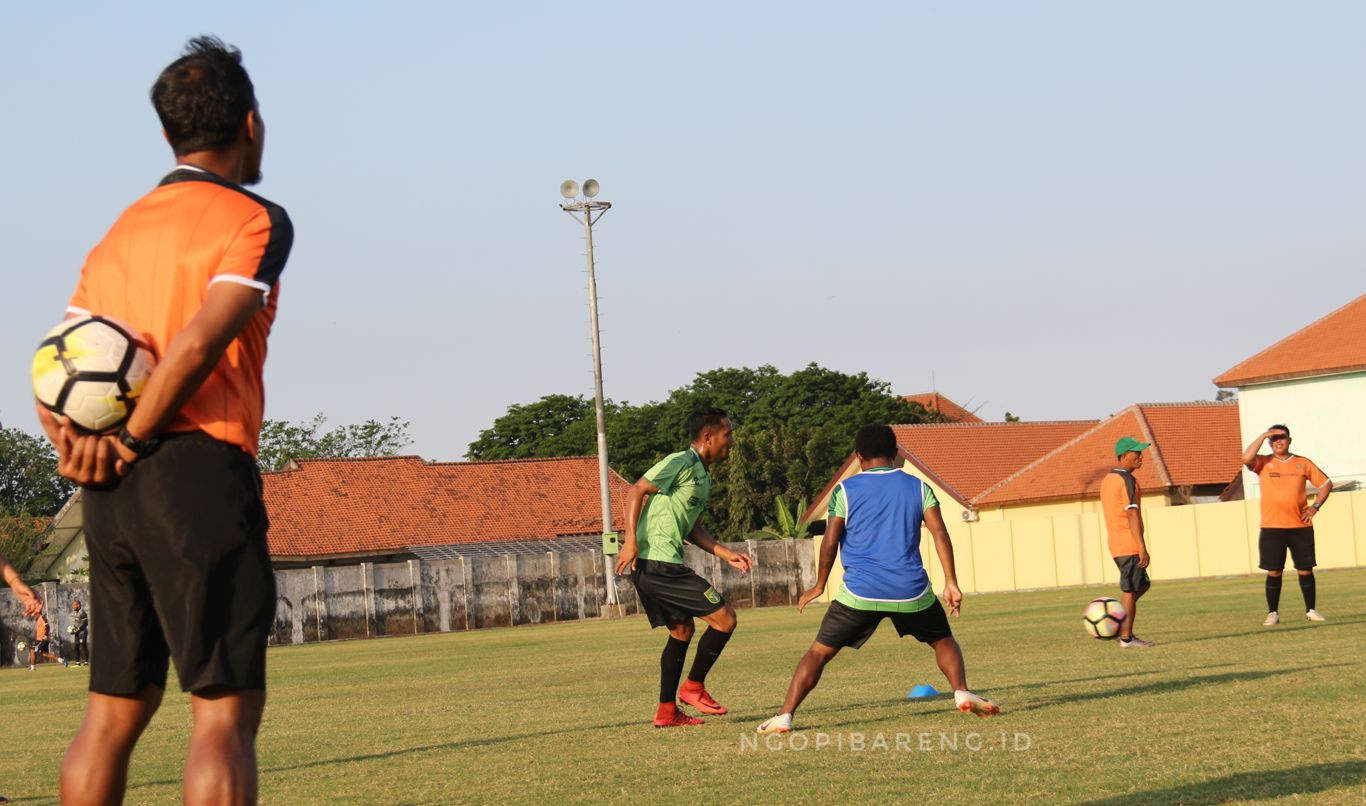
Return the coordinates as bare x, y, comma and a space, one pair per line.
1119, 497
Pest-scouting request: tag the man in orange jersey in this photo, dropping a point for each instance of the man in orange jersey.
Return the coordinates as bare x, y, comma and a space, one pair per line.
1119, 499
174, 519
1287, 517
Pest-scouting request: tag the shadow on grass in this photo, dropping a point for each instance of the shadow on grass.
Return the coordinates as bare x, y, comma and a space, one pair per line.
422, 748
1169, 686
1250, 786
1273, 631
1156, 687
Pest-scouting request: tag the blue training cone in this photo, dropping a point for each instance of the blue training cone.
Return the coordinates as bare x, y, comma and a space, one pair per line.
922, 692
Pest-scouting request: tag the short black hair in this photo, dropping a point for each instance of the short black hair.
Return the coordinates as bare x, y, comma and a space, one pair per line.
876, 442
1281, 427
702, 419
203, 97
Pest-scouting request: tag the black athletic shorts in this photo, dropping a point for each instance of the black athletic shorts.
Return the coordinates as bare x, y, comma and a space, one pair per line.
179, 568
672, 593
42, 647
1273, 542
844, 626
1132, 579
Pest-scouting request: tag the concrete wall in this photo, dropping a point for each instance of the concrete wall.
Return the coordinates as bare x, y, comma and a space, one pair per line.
1200, 540
1324, 417
407, 598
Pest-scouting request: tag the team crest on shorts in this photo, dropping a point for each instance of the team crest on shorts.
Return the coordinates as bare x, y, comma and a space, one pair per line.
712, 596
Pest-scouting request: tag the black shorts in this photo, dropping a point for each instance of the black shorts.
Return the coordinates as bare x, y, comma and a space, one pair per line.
844, 626
672, 593
1273, 542
43, 646
178, 551
1132, 579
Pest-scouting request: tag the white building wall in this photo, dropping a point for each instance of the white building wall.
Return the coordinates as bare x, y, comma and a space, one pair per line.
1326, 418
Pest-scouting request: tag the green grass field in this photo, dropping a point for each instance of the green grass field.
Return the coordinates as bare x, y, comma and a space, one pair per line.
1221, 711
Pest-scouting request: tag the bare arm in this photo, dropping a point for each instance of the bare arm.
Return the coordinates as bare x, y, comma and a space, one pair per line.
191, 356
635, 502
943, 546
700, 537
830, 546
1320, 498
33, 603
1250, 455
1136, 529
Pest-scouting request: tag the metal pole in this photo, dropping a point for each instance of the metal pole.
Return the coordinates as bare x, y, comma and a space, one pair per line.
605, 490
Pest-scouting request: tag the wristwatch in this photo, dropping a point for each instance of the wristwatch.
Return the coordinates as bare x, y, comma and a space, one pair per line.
1316, 505
139, 447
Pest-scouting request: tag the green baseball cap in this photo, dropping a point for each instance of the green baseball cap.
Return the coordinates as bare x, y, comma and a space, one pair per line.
1127, 444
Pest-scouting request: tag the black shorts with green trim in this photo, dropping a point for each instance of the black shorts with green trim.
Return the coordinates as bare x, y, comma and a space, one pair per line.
672, 593
844, 626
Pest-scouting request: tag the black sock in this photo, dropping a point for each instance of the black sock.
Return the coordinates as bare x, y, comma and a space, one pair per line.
1309, 589
1273, 594
671, 668
708, 650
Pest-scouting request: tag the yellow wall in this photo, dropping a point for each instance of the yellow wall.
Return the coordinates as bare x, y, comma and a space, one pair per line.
1061, 549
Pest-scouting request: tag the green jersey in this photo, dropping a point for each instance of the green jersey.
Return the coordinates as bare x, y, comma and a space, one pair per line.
669, 515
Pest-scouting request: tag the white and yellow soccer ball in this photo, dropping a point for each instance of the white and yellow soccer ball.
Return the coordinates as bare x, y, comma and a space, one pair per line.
1102, 617
91, 369
21, 646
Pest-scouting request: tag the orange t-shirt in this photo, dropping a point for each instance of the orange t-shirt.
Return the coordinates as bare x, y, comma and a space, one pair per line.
40, 629
1119, 492
1283, 493
153, 271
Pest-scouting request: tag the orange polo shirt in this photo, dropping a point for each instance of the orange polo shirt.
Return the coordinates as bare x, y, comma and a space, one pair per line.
1283, 489
1119, 493
153, 271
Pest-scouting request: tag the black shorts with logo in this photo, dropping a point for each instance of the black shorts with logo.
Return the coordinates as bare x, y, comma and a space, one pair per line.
1272, 544
178, 552
844, 626
1132, 579
672, 593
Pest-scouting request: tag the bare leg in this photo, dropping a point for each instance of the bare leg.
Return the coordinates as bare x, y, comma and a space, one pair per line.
95, 770
221, 765
807, 675
949, 656
1130, 602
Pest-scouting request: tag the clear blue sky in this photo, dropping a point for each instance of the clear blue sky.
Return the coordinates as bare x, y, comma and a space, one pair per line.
1051, 208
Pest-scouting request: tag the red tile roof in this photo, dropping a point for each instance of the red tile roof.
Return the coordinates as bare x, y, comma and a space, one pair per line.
351, 506
937, 402
1336, 343
1193, 443
966, 458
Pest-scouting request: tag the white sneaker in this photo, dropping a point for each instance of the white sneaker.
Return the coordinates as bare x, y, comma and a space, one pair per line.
968, 702
782, 723
1134, 642
1313, 615
1273, 618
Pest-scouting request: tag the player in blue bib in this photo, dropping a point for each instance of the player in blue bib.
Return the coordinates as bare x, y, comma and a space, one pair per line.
875, 518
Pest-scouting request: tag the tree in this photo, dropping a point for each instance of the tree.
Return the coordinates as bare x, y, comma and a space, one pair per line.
555, 425
282, 441
1012, 418
792, 432
29, 483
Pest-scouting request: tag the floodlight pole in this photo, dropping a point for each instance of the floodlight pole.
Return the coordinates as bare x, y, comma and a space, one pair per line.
588, 208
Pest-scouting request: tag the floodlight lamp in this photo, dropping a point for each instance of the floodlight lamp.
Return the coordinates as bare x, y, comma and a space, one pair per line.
569, 188
590, 188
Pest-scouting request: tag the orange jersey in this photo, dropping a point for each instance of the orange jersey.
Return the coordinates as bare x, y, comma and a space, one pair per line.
153, 270
41, 629
1283, 493
1119, 493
